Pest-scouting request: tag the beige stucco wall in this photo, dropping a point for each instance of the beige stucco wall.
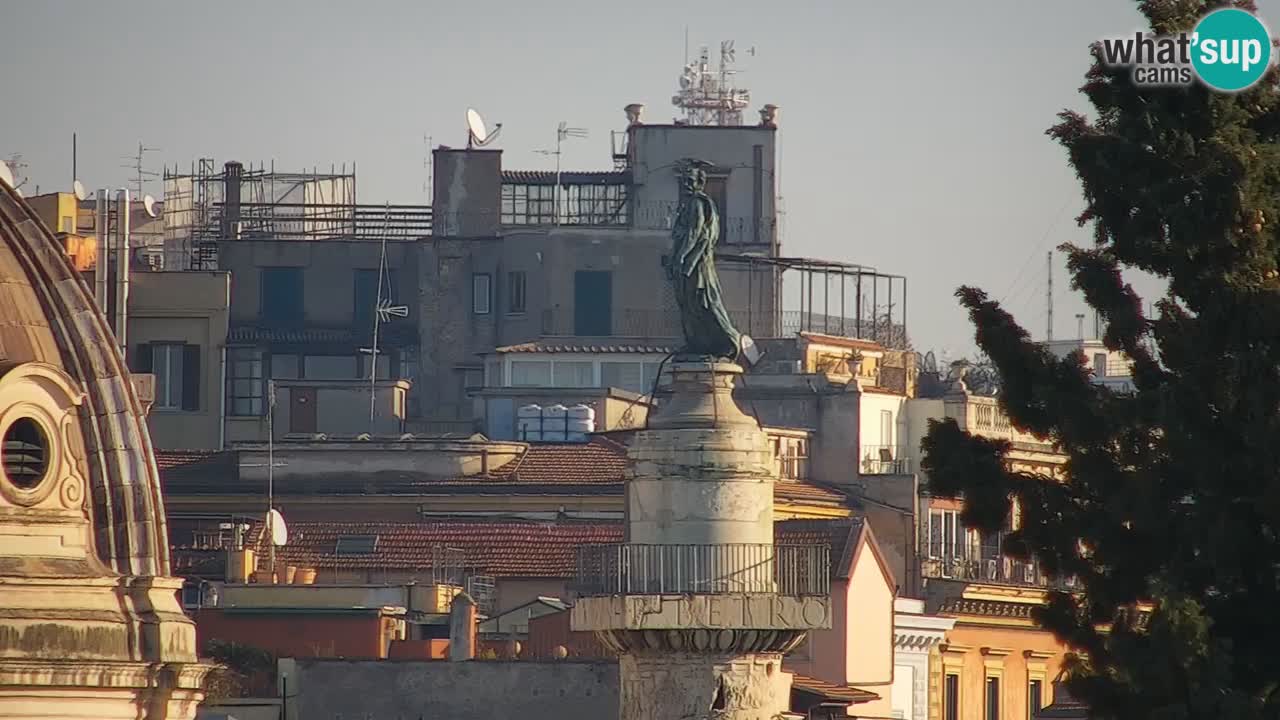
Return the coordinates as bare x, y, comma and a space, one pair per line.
191, 308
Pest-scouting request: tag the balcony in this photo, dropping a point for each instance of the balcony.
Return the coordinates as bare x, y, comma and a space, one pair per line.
624, 569
885, 460
993, 570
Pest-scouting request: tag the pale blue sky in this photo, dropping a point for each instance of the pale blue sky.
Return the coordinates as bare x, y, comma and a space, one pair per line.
912, 133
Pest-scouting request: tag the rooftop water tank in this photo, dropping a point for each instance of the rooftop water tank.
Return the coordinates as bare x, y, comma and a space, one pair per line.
581, 423
555, 423
529, 423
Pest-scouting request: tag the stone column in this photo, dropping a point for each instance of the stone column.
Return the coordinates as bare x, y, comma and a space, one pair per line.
692, 602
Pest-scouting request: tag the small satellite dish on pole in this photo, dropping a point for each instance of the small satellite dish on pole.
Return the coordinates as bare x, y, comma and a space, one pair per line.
6, 175
149, 205
478, 134
77, 187
275, 524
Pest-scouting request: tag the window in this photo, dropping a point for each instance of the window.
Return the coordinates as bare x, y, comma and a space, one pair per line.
624, 375
384, 367
409, 364
480, 293
67, 224
493, 373
280, 296
176, 367
574, 374
285, 367
650, 376
515, 292
951, 697
331, 367
355, 545
530, 373
365, 298
1100, 364
886, 428
1035, 692
993, 698
244, 382
946, 535
25, 453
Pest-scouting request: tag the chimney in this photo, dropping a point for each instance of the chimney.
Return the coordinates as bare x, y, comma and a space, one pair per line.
635, 112
462, 628
232, 176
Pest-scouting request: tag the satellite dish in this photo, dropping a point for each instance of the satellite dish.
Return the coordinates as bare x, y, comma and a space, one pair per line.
77, 187
149, 205
6, 175
477, 132
279, 532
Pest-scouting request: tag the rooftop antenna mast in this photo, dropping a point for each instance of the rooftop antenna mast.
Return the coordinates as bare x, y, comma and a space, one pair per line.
562, 132
707, 96
1048, 334
383, 311
140, 174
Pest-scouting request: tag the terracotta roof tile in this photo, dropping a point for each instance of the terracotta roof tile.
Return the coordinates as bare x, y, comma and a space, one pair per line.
596, 462
809, 491
831, 692
526, 549
503, 549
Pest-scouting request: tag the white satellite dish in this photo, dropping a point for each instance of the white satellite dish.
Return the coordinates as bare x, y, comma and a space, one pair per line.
279, 531
477, 132
6, 175
149, 205
77, 187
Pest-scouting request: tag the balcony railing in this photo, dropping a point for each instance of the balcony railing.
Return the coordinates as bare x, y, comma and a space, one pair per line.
885, 460
659, 323
996, 570
625, 569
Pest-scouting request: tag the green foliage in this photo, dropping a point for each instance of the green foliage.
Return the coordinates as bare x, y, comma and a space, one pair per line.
1172, 493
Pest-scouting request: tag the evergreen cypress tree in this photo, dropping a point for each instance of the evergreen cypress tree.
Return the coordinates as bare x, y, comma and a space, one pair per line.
1171, 494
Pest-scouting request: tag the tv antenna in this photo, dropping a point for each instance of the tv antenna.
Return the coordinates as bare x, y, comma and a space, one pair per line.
140, 174
563, 132
383, 311
12, 172
478, 134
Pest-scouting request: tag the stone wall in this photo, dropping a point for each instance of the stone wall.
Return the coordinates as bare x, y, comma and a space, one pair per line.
473, 690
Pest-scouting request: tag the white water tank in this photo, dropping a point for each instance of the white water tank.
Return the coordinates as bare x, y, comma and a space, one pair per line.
529, 423
581, 422
554, 423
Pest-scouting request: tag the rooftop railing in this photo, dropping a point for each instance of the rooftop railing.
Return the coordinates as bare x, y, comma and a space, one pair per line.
627, 569
994, 570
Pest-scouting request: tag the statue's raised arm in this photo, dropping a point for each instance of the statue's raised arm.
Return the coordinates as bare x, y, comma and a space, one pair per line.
708, 331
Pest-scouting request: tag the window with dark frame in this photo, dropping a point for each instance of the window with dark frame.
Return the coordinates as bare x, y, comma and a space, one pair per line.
365, 297
481, 293
1035, 697
515, 292
993, 698
951, 697
176, 368
280, 297
593, 204
244, 382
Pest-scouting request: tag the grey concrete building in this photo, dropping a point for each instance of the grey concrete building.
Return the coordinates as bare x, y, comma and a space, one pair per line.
519, 256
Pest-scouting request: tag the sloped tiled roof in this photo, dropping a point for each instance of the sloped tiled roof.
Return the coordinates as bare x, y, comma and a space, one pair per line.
576, 177
516, 548
551, 346
503, 549
808, 491
830, 692
840, 535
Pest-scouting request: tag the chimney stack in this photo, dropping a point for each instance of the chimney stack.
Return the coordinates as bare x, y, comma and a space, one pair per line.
462, 628
232, 177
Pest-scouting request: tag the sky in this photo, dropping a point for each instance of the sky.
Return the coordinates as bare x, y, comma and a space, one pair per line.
911, 134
